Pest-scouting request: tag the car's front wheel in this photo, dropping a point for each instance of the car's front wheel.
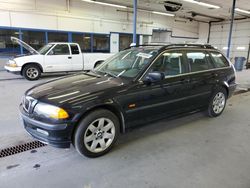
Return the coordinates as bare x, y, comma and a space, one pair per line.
217, 102
96, 133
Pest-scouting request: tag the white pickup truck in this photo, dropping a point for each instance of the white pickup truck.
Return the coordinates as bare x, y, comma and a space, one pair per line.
53, 57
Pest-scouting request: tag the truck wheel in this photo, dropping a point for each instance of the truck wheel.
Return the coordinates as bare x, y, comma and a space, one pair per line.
217, 102
31, 72
96, 133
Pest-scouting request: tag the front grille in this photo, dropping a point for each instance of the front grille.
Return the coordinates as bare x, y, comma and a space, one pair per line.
28, 103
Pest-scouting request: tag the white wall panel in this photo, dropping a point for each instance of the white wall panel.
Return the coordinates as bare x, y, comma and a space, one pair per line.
240, 36
30, 20
203, 32
4, 18
85, 17
74, 24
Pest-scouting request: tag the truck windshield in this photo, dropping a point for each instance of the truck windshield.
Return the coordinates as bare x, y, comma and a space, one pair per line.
45, 49
128, 63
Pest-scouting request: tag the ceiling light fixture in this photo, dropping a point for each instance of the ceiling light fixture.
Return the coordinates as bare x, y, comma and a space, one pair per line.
162, 13
243, 11
241, 48
202, 4
105, 4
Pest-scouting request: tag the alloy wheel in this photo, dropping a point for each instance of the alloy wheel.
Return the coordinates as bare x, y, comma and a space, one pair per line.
99, 135
32, 72
219, 102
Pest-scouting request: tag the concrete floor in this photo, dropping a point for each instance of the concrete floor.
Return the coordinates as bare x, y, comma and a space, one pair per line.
193, 151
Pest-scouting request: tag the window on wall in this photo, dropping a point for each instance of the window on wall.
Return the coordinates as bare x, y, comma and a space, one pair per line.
57, 37
84, 40
125, 40
7, 48
101, 43
36, 39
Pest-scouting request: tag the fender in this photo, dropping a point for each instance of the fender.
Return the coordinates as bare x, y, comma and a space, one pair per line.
35, 63
109, 105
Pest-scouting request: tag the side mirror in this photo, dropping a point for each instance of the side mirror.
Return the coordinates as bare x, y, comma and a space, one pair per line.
154, 77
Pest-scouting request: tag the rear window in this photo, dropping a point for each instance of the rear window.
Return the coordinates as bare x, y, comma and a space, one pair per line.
198, 61
219, 60
74, 49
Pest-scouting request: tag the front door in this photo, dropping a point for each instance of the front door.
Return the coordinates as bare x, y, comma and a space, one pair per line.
58, 59
163, 98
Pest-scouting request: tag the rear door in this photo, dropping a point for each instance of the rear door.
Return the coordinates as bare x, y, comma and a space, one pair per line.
202, 76
76, 57
58, 59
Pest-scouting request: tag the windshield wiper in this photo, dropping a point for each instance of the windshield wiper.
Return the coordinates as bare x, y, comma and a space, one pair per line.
91, 73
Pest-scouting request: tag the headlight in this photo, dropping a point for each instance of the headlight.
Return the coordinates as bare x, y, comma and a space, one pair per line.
50, 111
12, 63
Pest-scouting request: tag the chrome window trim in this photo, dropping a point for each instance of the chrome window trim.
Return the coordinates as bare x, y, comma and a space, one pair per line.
184, 74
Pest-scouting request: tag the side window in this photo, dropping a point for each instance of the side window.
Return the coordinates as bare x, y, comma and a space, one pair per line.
198, 61
219, 60
60, 49
169, 63
74, 49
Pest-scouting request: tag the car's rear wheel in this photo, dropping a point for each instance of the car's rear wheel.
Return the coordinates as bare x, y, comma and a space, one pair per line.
217, 102
31, 72
96, 133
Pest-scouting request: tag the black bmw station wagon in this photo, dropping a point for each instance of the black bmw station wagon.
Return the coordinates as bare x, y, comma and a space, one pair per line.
137, 85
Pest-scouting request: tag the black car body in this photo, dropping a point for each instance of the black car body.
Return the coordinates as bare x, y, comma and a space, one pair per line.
194, 73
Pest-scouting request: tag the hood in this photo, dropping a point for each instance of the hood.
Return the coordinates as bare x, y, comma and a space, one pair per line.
24, 45
73, 89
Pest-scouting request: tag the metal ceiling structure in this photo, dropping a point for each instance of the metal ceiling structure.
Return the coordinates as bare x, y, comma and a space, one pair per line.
193, 9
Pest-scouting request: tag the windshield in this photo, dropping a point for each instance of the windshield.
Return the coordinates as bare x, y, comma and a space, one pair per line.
45, 49
128, 63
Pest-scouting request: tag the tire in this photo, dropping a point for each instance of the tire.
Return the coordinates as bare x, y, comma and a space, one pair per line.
217, 102
91, 138
31, 72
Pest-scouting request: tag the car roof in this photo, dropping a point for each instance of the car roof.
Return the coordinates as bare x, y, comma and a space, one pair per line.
62, 43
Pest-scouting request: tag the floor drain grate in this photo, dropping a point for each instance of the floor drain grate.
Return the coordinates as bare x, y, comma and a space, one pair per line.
20, 148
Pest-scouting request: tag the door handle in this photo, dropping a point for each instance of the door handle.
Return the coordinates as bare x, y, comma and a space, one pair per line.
69, 57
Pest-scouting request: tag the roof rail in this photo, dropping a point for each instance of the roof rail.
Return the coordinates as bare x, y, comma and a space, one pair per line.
167, 45
207, 46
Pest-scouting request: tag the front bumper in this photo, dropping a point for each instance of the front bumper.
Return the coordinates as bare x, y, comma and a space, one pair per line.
57, 135
14, 70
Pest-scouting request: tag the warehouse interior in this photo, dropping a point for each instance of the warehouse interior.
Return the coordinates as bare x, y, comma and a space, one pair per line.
191, 151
